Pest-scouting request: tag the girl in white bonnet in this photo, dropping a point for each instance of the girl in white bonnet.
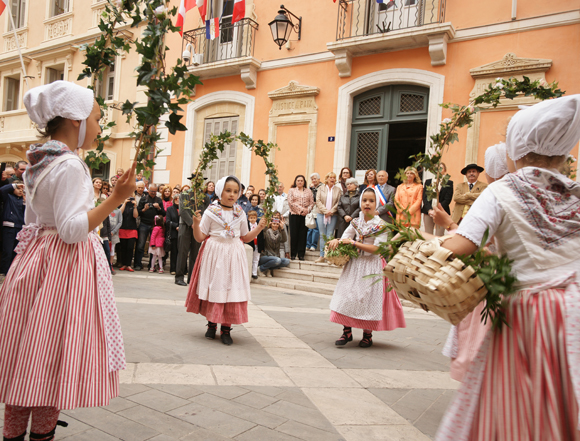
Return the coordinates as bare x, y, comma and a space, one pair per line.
524, 383
220, 286
61, 345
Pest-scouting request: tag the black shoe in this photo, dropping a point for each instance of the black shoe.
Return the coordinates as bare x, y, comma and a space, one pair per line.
180, 283
293, 258
301, 258
138, 268
367, 340
47, 436
345, 337
254, 276
226, 338
211, 329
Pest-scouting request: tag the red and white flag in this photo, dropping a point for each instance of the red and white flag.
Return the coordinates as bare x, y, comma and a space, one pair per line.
202, 6
3, 4
239, 10
184, 6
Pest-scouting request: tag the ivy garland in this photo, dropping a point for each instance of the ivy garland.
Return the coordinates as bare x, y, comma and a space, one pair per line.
495, 271
166, 89
463, 116
210, 153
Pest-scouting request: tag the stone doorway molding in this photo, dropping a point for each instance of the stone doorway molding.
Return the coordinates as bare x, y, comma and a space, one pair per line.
509, 66
435, 82
224, 96
295, 104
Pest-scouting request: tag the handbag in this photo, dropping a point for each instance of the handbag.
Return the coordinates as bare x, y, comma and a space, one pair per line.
310, 220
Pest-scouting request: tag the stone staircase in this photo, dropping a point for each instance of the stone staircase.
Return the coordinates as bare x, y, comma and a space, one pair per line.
305, 275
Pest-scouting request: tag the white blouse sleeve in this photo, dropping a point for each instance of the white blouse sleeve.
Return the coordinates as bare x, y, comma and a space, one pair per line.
205, 224
244, 225
383, 237
486, 212
349, 233
68, 192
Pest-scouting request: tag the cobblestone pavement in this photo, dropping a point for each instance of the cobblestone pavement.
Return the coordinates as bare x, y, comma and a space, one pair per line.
282, 379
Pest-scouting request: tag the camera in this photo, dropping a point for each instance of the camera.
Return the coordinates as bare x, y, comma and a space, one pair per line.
276, 221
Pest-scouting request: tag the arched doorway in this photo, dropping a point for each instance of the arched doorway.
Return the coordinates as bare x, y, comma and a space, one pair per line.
389, 124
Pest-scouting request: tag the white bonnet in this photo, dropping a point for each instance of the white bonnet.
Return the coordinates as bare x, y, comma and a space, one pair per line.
219, 186
550, 128
377, 200
495, 161
60, 98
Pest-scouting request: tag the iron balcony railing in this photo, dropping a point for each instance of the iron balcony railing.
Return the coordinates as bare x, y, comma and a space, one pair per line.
234, 41
358, 18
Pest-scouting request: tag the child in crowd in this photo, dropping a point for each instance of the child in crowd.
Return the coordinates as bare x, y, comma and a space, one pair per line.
156, 244
358, 302
257, 244
220, 287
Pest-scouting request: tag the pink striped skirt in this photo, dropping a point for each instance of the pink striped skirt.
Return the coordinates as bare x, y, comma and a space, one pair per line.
53, 349
519, 387
393, 316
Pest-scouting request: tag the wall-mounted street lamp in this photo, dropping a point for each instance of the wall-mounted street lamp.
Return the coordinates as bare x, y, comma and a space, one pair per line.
282, 26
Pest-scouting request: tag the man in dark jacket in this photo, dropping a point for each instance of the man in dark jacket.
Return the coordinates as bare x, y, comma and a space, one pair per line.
149, 207
19, 169
187, 245
445, 198
388, 191
12, 196
172, 232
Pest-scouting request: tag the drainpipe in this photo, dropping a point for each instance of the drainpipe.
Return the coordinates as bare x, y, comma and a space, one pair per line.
514, 9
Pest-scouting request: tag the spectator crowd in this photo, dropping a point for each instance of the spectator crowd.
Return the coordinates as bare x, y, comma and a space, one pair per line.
157, 220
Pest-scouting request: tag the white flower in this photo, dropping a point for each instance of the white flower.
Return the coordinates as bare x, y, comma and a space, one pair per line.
543, 82
446, 120
498, 86
471, 108
499, 79
160, 11
119, 4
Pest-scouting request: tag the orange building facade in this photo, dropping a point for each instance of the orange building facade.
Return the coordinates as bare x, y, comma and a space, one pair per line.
362, 87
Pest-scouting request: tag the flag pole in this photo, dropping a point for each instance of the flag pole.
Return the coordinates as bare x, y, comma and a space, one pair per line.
18, 47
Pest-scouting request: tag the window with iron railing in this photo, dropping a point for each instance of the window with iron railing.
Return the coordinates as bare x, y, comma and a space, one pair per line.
234, 41
358, 18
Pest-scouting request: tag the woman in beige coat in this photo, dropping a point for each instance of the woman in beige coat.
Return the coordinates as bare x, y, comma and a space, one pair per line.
327, 199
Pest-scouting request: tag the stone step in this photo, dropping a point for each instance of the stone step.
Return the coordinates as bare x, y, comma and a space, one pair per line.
295, 284
308, 265
307, 276
312, 255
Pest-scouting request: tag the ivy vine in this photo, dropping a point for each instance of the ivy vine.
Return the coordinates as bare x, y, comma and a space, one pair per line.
463, 116
210, 153
166, 88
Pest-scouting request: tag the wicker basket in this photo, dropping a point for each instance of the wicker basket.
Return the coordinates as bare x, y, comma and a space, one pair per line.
336, 260
426, 274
